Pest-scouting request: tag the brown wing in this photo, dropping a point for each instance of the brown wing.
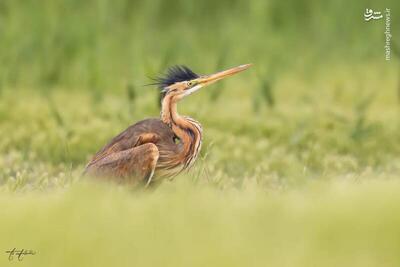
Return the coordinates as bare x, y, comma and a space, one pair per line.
145, 131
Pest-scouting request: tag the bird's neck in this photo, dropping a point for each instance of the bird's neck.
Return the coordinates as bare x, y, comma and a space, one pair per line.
186, 129
169, 113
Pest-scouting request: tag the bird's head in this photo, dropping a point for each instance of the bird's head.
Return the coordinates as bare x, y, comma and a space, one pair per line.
180, 81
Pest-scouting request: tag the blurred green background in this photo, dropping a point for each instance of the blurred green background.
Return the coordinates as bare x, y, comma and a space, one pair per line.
100, 45
300, 160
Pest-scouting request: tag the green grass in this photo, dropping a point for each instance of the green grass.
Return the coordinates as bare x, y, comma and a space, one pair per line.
335, 224
311, 181
300, 162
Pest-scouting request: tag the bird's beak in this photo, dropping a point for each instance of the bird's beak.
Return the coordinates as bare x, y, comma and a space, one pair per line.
209, 79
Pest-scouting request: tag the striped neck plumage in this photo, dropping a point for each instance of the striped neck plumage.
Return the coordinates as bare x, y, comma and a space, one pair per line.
188, 130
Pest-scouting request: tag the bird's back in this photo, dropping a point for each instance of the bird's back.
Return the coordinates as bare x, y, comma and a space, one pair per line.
146, 131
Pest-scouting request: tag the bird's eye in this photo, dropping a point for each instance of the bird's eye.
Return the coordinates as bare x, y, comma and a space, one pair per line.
191, 83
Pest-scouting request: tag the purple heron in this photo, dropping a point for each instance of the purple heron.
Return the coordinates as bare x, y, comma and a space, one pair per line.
157, 148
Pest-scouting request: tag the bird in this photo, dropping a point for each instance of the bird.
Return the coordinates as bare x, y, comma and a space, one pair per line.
157, 148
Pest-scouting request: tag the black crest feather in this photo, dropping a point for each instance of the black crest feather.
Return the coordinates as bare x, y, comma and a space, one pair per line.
178, 73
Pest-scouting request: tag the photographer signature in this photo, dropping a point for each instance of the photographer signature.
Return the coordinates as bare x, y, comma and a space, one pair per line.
19, 253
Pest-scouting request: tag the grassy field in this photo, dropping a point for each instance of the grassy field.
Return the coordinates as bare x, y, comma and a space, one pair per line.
301, 156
